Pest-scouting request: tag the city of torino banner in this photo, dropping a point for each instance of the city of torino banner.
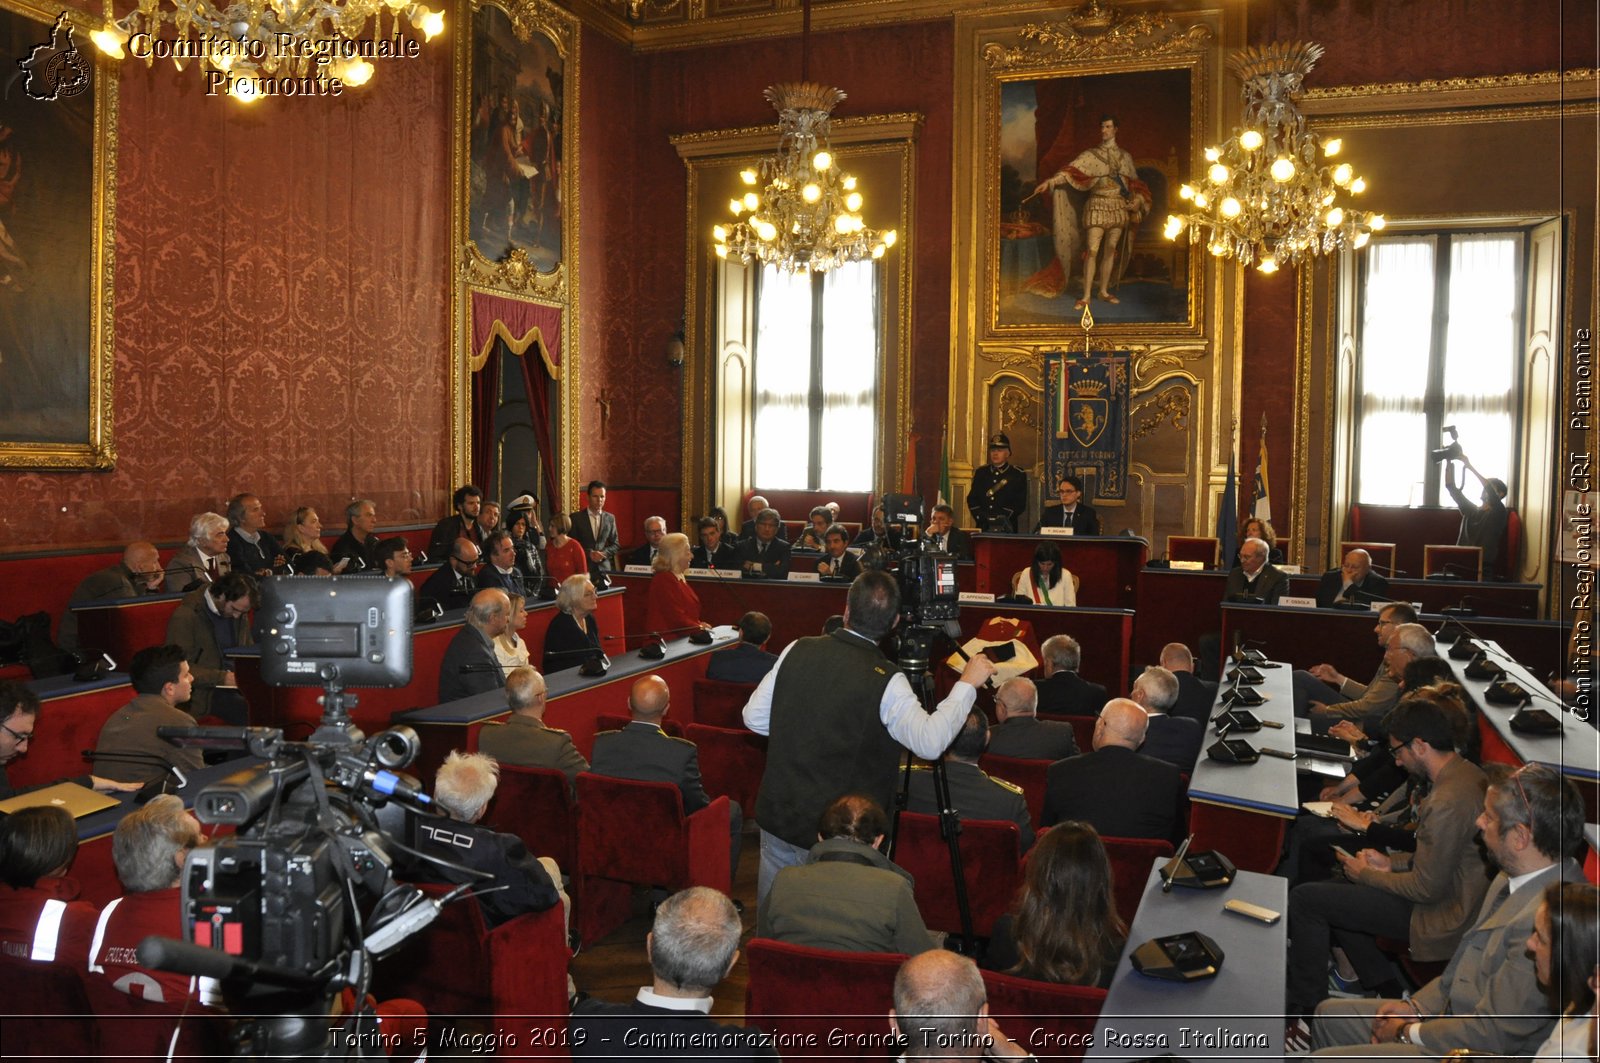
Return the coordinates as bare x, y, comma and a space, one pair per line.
1086, 401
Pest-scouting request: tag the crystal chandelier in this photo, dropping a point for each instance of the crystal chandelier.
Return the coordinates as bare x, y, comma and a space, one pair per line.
247, 41
1267, 197
808, 214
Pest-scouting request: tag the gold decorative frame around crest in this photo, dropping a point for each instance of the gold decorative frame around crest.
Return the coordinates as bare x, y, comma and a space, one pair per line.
517, 273
94, 448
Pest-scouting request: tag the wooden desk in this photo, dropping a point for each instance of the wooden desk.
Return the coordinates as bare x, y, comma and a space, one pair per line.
1107, 566
295, 709
124, 626
1244, 809
1175, 605
1517, 600
1236, 1015
572, 702
70, 717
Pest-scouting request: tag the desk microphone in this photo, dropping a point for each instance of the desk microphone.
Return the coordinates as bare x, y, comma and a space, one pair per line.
154, 786
654, 648
1177, 859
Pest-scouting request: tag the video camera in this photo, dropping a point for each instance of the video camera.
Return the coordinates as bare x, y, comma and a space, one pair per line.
929, 597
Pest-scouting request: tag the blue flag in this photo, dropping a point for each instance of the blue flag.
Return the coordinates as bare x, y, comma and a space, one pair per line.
1228, 517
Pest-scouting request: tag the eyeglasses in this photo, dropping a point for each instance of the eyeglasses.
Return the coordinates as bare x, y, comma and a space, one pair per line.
22, 739
1516, 777
1394, 750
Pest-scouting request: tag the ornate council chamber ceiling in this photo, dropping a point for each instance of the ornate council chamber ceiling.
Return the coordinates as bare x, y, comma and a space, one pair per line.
655, 25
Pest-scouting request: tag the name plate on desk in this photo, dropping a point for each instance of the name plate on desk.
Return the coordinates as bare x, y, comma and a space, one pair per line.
1298, 602
977, 597
638, 570
1189, 566
717, 573
1056, 531
805, 577
1293, 570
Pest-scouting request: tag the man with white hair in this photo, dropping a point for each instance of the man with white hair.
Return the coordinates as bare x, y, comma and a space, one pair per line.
513, 881
1254, 578
1020, 733
655, 529
524, 740
942, 1010
753, 510
470, 666
1173, 739
1117, 790
1353, 583
1062, 691
1196, 696
251, 548
358, 546
204, 558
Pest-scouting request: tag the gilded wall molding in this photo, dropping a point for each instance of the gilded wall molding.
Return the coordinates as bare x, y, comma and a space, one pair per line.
1128, 37
1501, 90
1171, 405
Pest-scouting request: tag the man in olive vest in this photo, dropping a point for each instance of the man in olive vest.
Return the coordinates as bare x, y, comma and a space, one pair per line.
846, 736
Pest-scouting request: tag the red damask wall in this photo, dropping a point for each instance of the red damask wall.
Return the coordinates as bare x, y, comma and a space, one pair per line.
282, 310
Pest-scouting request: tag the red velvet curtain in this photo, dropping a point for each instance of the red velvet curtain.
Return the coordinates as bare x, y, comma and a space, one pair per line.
531, 332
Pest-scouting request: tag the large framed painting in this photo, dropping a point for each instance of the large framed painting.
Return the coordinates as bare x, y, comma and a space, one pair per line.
57, 119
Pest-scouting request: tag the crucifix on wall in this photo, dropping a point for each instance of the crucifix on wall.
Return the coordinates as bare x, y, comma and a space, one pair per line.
603, 400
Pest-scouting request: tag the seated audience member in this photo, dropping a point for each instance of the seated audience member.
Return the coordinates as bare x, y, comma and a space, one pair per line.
654, 529
1352, 583
470, 665
973, 792
1566, 954
509, 648
525, 548
454, 583
1073, 512
138, 573
874, 533
488, 519
573, 636
527, 504
1062, 692
944, 535
1428, 898
209, 622
837, 560
41, 918
204, 558
251, 548
1482, 524
596, 531
847, 895
1488, 998
942, 1010
1115, 789
814, 535
500, 564
19, 720
1375, 775
564, 557
644, 752
1312, 686
1046, 581
1254, 578
462, 524
524, 740
358, 546
748, 661
753, 510
394, 557
514, 881
128, 748
1256, 528
1064, 925
1407, 643
715, 551
692, 945
148, 848
673, 608
1173, 739
1196, 696
302, 544
764, 555
1020, 733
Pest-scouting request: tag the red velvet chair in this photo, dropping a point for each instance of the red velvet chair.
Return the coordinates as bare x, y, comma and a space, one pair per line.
458, 966
1201, 548
636, 833
1026, 773
1130, 868
611, 721
1462, 562
720, 704
1382, 555
39, 1002
732, 761
794, 990
991, 864
537, 805
1045, 1018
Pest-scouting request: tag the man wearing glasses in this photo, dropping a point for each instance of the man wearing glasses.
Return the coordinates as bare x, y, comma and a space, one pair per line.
19, 716
1324, 685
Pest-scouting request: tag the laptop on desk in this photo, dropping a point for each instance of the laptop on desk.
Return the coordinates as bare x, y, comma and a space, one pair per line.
78, 800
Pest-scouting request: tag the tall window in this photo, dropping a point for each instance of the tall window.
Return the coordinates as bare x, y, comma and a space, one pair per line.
816, 373
1439, 346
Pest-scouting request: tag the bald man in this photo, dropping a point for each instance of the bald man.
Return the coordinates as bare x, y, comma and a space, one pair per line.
942, 1009
1352, 584
1196, 696
643, 751
1119, 791
139, 572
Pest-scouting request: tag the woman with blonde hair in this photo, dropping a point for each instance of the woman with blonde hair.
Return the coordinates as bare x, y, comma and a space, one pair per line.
303, 536
509, 648
1064, 925
674, 607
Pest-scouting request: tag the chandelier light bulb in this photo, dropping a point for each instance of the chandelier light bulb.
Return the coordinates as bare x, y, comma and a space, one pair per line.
1335, 217
1230, 207
748, 176
110, 40
1343, 174
752, 201
428, 21
1283, 169
848, 184
1331, 148
841, 224
1361, 240
737, 206
1217, 248
1186, 192
890, 237
766, 230
1219, 174
719, 234
1250, 140
811, 192
1268, 264
878, 250
821, 160
853, 201
1201, 200
722, 251
1358, 186
1213, 154
1378, 222
358, 72
1174, 227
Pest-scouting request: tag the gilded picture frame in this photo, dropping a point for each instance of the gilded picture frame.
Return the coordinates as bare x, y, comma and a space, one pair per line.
58, 117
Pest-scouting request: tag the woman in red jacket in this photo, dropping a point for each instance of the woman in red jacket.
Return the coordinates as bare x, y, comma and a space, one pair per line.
674, 608
41, 918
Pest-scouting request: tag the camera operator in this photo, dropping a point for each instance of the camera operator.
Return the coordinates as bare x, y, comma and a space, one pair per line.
1483, 524
828, 741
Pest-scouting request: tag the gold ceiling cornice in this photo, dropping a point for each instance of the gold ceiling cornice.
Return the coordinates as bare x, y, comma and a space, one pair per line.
1501, 90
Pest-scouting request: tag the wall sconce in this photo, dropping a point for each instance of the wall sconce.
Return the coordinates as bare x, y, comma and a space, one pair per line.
675, 350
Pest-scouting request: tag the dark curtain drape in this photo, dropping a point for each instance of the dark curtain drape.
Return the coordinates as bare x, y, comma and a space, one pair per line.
531, 332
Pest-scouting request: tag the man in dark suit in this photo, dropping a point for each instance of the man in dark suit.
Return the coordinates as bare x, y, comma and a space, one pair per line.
1020, 733
1063, 693
210, 621
973, 793
944, 535
713, 551
1354, 582
1073, 512
454, 583
462, 524
251, 548
1254, 578
358, 546
524, 740
500, 564
470, 666
837, 561
749, 661
643, 751
1120, 792
692, 946
754, 507
1174, 739
596, 532
139, 572
764, 555
655, 529
1196, 697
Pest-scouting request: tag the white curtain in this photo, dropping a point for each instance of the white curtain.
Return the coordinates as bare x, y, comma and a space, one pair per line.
1396, 332
1480, 344
849, 377
783, 380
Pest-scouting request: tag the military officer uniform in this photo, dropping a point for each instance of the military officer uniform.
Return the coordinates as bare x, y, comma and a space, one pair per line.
999, 494
975, 795
525, 742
